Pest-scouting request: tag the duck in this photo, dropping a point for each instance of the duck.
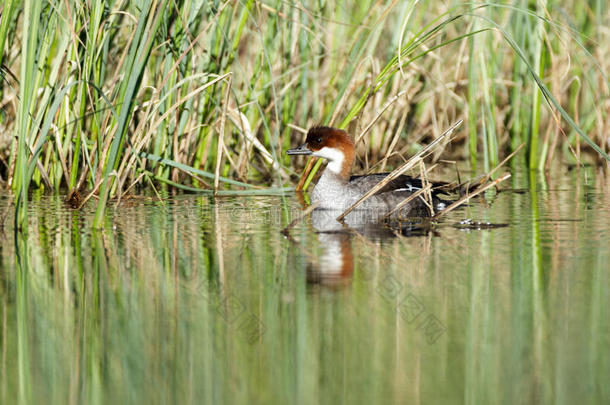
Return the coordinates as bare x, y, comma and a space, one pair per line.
337, 189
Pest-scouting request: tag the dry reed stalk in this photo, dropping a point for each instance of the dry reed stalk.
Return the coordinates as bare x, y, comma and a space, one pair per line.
483, 178
379, 114
62, 156
415, 159
465, 198
232, 163
5, 213
424, 181
389, 151
503, 162
243, 126
352, 86
221, 133
138, 144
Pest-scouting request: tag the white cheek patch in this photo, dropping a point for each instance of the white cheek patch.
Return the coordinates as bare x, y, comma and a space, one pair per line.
335, 158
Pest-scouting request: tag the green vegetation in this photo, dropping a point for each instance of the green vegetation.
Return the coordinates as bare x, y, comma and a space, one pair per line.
105, 97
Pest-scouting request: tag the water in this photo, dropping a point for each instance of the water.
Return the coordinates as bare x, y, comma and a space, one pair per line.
196, 300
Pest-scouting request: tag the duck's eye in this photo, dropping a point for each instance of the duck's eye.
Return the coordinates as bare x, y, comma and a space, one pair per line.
319, 140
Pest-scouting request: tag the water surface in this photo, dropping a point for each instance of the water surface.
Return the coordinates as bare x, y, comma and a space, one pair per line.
200, 300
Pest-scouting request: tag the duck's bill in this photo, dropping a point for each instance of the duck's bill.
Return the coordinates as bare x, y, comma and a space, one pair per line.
301, 150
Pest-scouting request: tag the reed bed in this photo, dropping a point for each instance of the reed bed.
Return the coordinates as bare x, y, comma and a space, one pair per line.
99, 99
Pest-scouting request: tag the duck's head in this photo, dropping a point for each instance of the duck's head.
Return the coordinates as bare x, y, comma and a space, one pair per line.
332, 144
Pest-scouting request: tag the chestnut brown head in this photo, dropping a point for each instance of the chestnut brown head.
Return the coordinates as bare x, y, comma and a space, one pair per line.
329, 143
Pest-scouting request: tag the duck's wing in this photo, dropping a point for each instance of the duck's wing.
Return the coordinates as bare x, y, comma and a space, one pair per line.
403, 182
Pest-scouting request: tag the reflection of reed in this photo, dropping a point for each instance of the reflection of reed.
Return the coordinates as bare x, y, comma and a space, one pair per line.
219, 250
188, 302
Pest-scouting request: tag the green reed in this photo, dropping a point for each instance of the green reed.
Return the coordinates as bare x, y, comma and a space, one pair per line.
116, 96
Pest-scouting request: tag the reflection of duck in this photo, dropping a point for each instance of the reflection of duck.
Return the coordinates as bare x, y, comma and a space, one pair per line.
366, 222
336, 263
337, 190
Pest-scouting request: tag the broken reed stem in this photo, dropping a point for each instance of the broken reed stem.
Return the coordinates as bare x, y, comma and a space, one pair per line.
306, 212
478, 191
407, 200
415, 159
412, 162
486, 177
424, 181
502, 163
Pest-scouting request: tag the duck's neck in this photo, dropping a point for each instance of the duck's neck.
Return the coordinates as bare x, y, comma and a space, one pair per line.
340, 165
